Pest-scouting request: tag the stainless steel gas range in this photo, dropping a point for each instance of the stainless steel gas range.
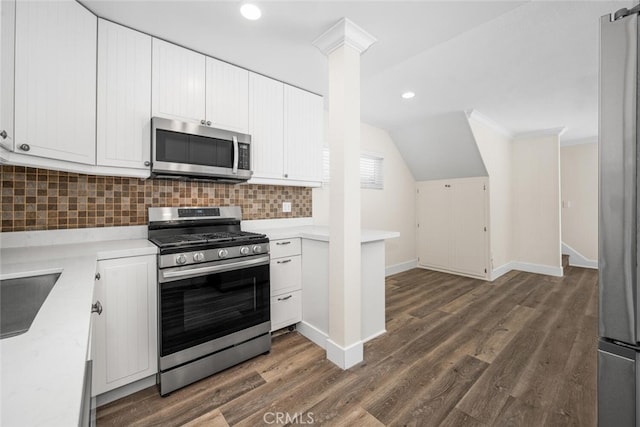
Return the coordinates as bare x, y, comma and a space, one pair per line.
213, 292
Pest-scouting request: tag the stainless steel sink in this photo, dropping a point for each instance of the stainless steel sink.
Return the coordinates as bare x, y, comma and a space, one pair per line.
20, 301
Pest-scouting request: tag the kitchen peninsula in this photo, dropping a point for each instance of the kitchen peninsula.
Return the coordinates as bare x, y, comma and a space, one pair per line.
315, 276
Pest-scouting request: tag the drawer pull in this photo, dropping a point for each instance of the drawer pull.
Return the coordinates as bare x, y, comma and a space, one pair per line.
283, 243
285, 298
284, 261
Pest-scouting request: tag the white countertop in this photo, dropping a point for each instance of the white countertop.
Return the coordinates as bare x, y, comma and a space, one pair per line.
42, 370
318, 232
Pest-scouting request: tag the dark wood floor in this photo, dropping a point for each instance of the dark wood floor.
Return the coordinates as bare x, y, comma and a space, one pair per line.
520, 351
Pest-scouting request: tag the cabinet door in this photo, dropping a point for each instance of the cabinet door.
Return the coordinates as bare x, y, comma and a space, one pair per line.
227, 96
125, 334
303, 130
178, 76
7, 26
285, 274
55, 80
124, 96
469, 233
266, 126
434, 219
286, 309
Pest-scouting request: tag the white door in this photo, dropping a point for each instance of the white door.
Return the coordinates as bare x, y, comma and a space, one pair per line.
124, 96
227, 96
266, 108
469, 232
178, 77
7, 26
55, 80
434, 224
303, 134
125, 334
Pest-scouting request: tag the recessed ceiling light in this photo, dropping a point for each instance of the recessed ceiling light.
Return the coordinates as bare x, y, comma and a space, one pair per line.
250, 11
408, 95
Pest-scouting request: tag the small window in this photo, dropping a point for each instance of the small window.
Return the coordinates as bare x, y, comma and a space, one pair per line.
370, 169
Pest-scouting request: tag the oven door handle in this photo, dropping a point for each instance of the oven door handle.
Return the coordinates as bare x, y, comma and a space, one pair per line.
200, 271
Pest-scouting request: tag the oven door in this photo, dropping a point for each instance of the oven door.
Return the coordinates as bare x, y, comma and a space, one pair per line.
208, 307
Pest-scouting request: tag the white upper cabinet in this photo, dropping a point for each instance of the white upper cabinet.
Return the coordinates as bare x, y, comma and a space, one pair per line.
178, 83
55, 80
303, 130
266, 126
227, 105
7, 26
124, 97
286, 126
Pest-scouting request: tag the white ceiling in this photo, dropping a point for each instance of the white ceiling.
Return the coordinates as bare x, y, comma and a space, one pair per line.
527, 65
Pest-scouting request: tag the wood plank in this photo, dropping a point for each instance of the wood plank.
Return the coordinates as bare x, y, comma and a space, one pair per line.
457, 418
210, 419
502, 333
431, 403
538, 333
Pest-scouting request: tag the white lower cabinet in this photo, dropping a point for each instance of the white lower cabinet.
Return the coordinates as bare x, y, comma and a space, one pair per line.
125, 333
286, 283
286, 310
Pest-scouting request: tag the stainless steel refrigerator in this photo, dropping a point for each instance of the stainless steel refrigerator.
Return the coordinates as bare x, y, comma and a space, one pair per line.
619, 312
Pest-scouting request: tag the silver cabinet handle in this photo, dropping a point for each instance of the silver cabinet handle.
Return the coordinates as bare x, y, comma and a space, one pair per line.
3, 134
283, 243
284, 261
25, 147
147, 163
97, 276
285, 298
286, 175
202, 121
208, 122
96, 308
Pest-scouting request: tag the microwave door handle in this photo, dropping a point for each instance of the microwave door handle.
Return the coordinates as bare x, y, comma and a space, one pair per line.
235, 155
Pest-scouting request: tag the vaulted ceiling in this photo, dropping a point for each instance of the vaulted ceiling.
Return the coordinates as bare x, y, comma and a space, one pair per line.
527, 65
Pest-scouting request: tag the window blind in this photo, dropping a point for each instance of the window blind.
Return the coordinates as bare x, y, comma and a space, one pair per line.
371, 170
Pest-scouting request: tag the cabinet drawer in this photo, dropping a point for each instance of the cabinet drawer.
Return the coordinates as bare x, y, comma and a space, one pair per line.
284, 247
285, 274
286, 309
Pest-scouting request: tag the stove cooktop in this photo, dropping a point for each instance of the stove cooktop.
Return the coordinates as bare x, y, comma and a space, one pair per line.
187, 240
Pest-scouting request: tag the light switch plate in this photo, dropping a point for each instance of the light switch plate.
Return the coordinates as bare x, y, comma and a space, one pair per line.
286, 207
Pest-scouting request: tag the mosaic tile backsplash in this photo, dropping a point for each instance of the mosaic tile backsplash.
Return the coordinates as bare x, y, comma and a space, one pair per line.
40, 199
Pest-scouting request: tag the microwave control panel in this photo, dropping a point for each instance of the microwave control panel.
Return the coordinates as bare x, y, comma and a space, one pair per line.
244, 159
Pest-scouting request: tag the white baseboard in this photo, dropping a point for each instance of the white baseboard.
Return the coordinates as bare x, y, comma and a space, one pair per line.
313, 334
399, 268
345, 357
125, 390
501, 271
576, 259
548, 270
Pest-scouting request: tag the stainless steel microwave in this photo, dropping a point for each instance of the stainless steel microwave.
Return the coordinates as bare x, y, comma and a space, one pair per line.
180, 149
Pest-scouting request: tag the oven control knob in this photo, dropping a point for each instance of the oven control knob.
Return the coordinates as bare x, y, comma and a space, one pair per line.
222, 253
257, 249
244, 250
198, 256
181, 259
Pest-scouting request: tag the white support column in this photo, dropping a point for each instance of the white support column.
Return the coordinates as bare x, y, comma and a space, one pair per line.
343, 44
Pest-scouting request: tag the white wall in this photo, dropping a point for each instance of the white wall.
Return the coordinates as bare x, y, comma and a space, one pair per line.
579, 184
392, 208
495, 149
536, 201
